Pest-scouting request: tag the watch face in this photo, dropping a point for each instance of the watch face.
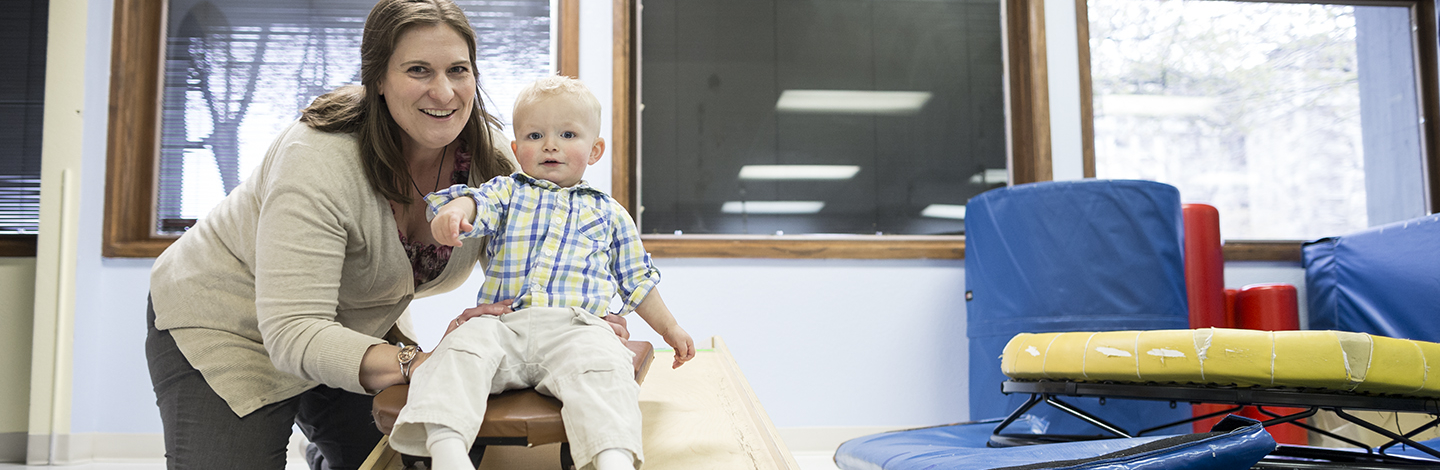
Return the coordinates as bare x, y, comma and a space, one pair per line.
407, 354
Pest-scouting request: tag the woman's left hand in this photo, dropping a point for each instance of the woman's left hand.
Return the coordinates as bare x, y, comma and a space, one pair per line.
496, 309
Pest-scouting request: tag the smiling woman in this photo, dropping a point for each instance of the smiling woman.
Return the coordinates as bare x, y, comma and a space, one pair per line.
428, 88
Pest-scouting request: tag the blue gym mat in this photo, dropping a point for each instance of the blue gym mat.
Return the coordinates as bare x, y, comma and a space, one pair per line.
1089, 255
963, 447
1383, 281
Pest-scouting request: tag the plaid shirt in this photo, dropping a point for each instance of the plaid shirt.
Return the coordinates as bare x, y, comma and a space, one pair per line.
555, 247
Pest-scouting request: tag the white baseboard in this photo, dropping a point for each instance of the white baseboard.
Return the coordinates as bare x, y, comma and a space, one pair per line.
34, 449
90, 447
827, 438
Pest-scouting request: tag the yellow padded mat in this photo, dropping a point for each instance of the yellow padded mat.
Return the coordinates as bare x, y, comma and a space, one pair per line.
1334, 360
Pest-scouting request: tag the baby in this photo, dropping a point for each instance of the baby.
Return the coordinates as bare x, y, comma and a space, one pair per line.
562, 250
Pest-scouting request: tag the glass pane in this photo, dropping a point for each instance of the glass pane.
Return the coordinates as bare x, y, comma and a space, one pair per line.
239, 71
22, 114
839, 116
1296, 121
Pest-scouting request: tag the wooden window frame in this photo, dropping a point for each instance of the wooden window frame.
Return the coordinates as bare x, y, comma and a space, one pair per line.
1026, 96
132, 147
1290, 250
20, 245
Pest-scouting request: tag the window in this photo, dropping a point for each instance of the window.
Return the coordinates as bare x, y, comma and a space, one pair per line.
816, 129
234, 73
22, 110
1297, 121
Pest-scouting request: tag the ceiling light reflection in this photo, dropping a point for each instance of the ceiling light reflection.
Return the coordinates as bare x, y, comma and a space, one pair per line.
852, 101
944, 211
798, 172
772, 207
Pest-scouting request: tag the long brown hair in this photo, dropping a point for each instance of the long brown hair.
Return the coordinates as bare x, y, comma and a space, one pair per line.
361, 109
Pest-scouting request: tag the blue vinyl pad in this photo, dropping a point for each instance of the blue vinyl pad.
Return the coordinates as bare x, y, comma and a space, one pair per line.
1091, 255
963, 447
1383, 281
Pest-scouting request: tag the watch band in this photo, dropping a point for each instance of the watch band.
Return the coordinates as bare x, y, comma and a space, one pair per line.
406, 356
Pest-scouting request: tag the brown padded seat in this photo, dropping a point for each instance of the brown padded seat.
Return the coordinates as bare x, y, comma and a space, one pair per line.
521, 413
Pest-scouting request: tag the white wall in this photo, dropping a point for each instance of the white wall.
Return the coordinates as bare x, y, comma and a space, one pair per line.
819, 340
823, 342
111, 391
1062, 62
17, 287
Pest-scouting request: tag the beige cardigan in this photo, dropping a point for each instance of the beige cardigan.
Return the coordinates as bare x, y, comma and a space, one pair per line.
287, 282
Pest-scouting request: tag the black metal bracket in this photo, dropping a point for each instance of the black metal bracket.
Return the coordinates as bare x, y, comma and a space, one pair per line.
1048, 392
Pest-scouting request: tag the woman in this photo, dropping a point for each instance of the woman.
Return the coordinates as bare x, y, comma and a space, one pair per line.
269, 312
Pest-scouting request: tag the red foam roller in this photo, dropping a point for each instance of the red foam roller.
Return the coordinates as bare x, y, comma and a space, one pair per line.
1283, 433
1232, 319
1202, 409
1269, 307
1204, 266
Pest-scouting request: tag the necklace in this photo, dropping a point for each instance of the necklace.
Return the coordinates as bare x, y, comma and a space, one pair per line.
438, 172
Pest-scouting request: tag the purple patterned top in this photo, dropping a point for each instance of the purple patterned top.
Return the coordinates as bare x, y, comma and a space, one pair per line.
426, 260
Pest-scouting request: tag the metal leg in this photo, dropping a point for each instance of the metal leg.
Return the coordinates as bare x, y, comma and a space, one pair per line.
1412, 433
1087, 417
1294, 420
1035, 398
1385, 432
1334, 436
1290, 418
1191, 420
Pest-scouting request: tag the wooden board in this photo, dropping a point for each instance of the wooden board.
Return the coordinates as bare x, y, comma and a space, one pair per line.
701, 416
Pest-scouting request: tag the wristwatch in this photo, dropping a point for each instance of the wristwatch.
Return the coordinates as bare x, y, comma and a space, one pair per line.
406, 356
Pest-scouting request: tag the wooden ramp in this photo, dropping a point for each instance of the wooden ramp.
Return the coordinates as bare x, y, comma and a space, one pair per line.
701, 416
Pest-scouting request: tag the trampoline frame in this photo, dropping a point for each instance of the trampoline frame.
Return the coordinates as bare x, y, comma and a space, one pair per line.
1049, 391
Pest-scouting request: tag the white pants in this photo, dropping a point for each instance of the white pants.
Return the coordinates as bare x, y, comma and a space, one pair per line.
566, 353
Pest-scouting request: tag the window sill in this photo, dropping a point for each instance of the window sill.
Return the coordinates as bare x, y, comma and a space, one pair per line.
765, 246
807, 246
1262, 250
885, 247
20, 246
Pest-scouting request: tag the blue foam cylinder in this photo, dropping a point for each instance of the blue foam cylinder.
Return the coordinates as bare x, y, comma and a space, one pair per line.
1089, 255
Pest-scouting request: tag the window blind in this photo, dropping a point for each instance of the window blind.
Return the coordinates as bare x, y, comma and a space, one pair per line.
238, 71
22, 112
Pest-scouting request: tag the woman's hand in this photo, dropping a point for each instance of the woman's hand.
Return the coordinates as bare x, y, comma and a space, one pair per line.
496, 309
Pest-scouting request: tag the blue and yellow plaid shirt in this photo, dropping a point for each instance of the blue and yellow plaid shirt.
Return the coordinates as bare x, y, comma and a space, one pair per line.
555, 247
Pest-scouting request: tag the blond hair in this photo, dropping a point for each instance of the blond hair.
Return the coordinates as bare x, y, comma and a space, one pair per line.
563, 87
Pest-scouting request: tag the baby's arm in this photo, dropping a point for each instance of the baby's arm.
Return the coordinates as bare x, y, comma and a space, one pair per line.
453, 218
455, 215
657, 315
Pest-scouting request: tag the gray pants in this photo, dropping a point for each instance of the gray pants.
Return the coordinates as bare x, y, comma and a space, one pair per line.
566, 353
201, 432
